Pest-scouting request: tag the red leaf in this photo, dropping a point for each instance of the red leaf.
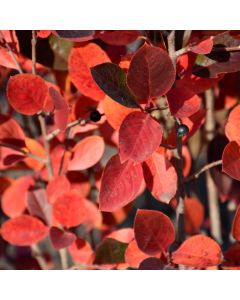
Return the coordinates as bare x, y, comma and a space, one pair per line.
23, 231
80, 61
151, 72
56, 187
203, 47
231, 160
61, 109
27, 93
193, 215
14, 198
134, 256
139, 136
10, 132
120, 184
198, 251
160, 177
118, 37
87, 153
154, 231
232, 127
182, 101
38, 206
61, 238
81, 252
69, 209
236, 225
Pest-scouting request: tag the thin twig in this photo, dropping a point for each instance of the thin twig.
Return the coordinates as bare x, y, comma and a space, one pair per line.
203, 169
171, 47
11, 53
212, 192
37, 254
28, 154
81, 122
34, 42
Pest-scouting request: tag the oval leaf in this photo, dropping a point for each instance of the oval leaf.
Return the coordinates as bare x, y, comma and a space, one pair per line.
14, 198
193, 215
79, 63
27, 93
231, 160
232, 127
61, 238
112, 80
23, 231
198, 251
151, 72
87, 153
236, 225
120, 184
69, 209
154, 231
139, 136
160, 177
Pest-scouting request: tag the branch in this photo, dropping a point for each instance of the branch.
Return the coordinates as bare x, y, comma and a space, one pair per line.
203, 169
81, 122
171, 47
37, 254
29, 154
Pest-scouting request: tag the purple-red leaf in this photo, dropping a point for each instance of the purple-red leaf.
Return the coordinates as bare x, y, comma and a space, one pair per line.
151, 72
139, 136
154, 231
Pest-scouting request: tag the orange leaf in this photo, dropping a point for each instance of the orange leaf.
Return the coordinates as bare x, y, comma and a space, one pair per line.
193, 216
198, 251
80, 61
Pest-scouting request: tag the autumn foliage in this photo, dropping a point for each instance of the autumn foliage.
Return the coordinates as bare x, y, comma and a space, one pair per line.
119, 149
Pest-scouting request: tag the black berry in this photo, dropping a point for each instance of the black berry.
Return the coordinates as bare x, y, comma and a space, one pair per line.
95, 116
182, 130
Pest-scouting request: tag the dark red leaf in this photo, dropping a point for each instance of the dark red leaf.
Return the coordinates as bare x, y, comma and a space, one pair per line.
236, 225
151, 72
182, 101
75, 35
139, 136
151, 263
154, 231
61, 238
231, 160
118, 37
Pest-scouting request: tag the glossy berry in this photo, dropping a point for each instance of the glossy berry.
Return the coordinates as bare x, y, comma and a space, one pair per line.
95, 116
182, 130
